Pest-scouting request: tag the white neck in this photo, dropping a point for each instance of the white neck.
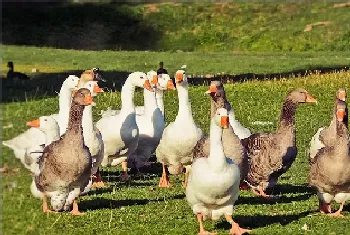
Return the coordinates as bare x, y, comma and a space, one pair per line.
150, 102
87, 124
160, 101
127, 97
216, 157
52, 136
185, 111
65, 99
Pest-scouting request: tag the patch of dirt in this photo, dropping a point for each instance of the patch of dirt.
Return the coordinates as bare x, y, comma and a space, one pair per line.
309, 26
338, 5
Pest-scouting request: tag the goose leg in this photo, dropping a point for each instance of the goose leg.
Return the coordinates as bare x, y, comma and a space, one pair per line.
125, 176
75, 210
164, 180
236, 230
202, 231
338, 212
184, 185
324, 207
45, 207
98, 183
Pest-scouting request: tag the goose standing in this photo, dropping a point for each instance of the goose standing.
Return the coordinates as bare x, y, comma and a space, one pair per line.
11, 74
151, 123
330, 171
233, 148
65, 165
120, 133
317, 142
271, 154
175, 149
213, 185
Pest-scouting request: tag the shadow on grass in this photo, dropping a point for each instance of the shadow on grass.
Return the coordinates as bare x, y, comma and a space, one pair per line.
255, 200
290, 188
258, 221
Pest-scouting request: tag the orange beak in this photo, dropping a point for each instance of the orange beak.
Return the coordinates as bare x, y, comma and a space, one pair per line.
155, 79
170, 85
342, 95
310, 99
97, 89
88, 99
147, 85
35, 123
225, 122
340, 114
212, 89
179, 77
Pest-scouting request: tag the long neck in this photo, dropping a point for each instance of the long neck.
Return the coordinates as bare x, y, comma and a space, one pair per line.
217, 102
287, 118
216, 157
75, 119
52, 136
10, 69
184, 104
150, 102
87, 123
127, 97
64, 100
342, 142
160, 100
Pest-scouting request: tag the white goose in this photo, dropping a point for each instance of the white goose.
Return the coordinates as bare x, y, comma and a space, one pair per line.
33, 137
213, 185
176, 147
120, 133
151, 123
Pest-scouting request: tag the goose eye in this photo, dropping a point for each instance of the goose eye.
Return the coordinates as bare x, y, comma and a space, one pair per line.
45, 120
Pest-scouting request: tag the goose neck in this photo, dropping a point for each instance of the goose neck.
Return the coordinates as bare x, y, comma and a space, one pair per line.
150, 102
184, 103
216, 157
287, 117
160, 100
127, 97
87, 123
75, 119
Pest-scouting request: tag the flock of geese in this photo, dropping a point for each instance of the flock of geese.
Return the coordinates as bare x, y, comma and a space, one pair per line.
64, 151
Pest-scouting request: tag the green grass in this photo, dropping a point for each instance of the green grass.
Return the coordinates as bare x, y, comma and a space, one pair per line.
197, 26
142, 207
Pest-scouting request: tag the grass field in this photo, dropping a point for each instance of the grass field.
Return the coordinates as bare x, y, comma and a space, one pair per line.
141, 207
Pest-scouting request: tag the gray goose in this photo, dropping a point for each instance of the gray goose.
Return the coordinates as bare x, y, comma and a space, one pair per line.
271, 154
233, 148
65, 165
322, 137
330, 171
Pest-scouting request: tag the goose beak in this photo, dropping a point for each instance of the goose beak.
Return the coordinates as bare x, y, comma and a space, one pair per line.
147, 85
310, 99
340, 114
170, 85
35, 123
179, 77
155, 80
97, 89
88, 99
212, 89
342, 95
225, 122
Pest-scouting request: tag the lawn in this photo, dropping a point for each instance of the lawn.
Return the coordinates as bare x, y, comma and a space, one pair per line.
140, 207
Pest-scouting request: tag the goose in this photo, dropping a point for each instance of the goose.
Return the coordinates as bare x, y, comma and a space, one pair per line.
151, 123
161, 69
330, 172
89, 75
175, 149
271, 154
65, 165
49, 127
33, 137
213, 185
120, 133
164, 82
233, 148
317, 141
11, 74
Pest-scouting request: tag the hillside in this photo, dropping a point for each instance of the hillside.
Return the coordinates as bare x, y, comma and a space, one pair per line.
229, 27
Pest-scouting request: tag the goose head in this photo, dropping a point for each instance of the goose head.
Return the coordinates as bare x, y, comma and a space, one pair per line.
340, 110
300, 95
216, 89
341, 94
71, 83
82, 97
139, 79
180, 77
91, 75
221, 118
93, 87
152, 78
165, 82
44, 123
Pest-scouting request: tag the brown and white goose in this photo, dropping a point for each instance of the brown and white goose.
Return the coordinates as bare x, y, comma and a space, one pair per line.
330, 168
65, 165
271, 154
322, 137
233, 148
